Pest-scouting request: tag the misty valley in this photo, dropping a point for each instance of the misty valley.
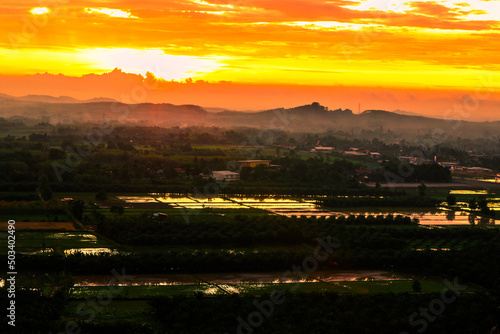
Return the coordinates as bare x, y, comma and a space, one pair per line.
122, 225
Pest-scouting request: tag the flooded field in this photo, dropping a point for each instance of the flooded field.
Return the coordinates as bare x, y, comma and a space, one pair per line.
354, 281
492, 180
242, 278
468, 192
90, 251
41, 242
289, 207
200, 202
137, 199
431, 217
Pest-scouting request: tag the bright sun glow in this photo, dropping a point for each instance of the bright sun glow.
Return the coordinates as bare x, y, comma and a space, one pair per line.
39, 11
111, 12
169, 67
447, 44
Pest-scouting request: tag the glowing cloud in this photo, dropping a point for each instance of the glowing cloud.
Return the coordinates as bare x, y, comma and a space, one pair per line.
169, 67
204, 3
382, 5
329, 25
222, 12
446, 44
111, 12
39, 10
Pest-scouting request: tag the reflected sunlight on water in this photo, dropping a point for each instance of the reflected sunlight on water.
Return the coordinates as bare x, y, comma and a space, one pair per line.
226, 279
468, 192
90, 251
288, 206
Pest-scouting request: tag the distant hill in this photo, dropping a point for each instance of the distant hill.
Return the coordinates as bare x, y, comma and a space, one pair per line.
48, 99
53, 99
317, 118
404, 112
94, 110
307, 118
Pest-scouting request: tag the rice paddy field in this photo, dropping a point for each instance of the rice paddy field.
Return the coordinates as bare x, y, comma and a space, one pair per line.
42, 235
177, 205
307, 207
129, 303
252, 283
36, 242
350, 287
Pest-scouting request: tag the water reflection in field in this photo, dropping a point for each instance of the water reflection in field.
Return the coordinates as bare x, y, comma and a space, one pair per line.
85, 237
497, 180
468, 192
241, 278
235, 202
90, 251
40, 251
289, 206
432, 217
137, 199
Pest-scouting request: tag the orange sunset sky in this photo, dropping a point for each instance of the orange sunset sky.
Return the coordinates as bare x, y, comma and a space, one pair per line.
430, 57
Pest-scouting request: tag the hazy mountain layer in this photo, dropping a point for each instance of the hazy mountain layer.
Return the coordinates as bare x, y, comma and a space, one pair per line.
308, 118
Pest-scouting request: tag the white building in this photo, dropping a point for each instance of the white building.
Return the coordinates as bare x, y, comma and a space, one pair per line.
225, 175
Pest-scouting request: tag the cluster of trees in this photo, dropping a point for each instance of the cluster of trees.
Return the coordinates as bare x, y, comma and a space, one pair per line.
280, 312
383, 201
295, 171
397, 171
142, 158
167, 262
491, 162
324, 313
360, 248
242, 230
15, 196
482, 206
34, 313
473, 257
